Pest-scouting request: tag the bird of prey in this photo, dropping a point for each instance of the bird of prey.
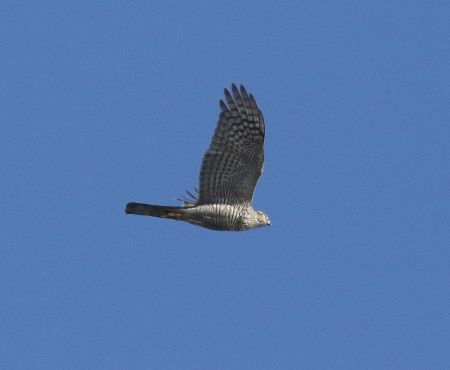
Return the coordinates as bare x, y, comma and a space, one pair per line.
229, 172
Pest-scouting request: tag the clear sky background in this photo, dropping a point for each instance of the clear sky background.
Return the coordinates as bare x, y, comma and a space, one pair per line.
105, 102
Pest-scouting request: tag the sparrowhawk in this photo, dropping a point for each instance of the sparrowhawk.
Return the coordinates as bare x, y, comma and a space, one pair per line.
230, 170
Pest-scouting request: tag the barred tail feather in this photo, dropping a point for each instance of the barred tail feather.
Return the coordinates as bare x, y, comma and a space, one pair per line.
176, 213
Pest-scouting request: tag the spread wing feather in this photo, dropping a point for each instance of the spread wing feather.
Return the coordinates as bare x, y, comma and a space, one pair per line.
234, 160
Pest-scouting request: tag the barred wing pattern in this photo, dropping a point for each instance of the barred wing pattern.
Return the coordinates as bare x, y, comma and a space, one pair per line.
234, 160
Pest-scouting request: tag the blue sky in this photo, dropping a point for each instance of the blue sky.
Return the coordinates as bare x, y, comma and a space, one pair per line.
106, 102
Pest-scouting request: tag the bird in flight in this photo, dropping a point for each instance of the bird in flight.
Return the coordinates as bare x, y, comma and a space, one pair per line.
229, 172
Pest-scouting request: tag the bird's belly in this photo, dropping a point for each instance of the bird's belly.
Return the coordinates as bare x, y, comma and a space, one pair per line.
221, 217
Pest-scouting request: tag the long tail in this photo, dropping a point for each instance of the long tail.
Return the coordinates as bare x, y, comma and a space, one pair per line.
176, 213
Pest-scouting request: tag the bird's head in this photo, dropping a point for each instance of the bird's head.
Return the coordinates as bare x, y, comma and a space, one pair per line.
256, 219
263, 219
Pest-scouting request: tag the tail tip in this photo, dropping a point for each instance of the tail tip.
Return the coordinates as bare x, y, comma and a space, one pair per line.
129, 208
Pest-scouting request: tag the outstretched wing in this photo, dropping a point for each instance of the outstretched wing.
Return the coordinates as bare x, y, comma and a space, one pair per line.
234, 160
